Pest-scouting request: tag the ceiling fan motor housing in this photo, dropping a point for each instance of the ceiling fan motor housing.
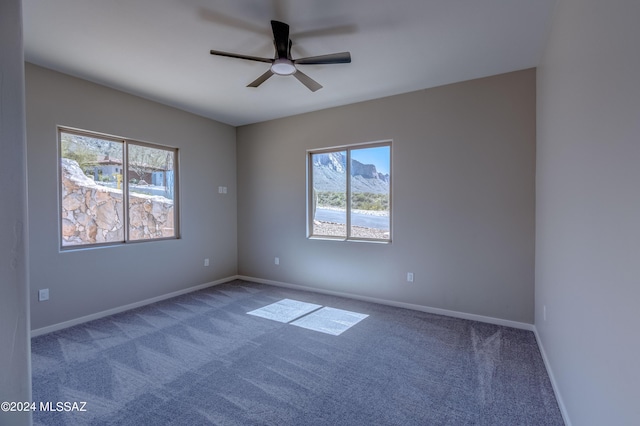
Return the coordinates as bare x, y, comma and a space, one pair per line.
283, 66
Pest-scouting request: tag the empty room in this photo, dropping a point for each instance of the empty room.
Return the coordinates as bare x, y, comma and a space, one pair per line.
326, 213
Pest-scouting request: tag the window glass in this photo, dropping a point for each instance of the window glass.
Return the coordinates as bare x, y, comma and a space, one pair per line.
91, 190
102, 178
350, 192
151, 190
329, 194
370, 192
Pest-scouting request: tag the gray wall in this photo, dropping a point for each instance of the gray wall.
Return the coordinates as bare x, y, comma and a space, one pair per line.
84, 282
588, 209
463, 199
15, 357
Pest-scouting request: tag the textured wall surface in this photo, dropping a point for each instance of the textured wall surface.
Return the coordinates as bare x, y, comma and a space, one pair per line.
463, 160
588, 209
15, 356
87, 281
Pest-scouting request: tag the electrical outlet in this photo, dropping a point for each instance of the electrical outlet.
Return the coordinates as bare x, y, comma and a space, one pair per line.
276, 261
409, 277
206, 262
43, 294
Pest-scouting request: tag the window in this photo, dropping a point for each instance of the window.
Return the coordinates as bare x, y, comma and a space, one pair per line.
115, 190
349, 194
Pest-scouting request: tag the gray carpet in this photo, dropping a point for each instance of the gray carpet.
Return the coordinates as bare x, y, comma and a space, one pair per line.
199, 359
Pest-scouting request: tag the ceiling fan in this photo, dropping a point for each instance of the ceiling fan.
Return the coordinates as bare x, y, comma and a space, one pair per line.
283, 64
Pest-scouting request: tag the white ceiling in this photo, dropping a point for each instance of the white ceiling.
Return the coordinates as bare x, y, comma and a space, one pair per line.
159, 49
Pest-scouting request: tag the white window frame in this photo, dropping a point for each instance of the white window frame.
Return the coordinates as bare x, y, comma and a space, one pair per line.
310, 195
126, 142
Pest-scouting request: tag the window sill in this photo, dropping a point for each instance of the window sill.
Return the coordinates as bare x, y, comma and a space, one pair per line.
347, 240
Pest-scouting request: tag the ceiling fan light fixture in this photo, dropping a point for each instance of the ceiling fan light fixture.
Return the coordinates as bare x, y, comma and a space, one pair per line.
283, 67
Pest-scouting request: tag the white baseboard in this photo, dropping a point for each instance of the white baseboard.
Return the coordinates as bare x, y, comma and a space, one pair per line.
430, 310
98, 315
554, 384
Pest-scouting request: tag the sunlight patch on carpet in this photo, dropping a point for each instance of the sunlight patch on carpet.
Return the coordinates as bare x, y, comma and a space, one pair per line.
310, 316
285, 310
330, 320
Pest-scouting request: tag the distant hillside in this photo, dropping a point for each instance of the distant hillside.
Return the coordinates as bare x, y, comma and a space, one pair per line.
329, 170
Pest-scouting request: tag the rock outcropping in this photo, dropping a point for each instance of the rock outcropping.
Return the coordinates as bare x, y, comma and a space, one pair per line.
92, 213
329, 170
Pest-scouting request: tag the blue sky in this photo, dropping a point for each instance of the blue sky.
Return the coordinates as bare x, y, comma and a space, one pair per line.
378, 156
